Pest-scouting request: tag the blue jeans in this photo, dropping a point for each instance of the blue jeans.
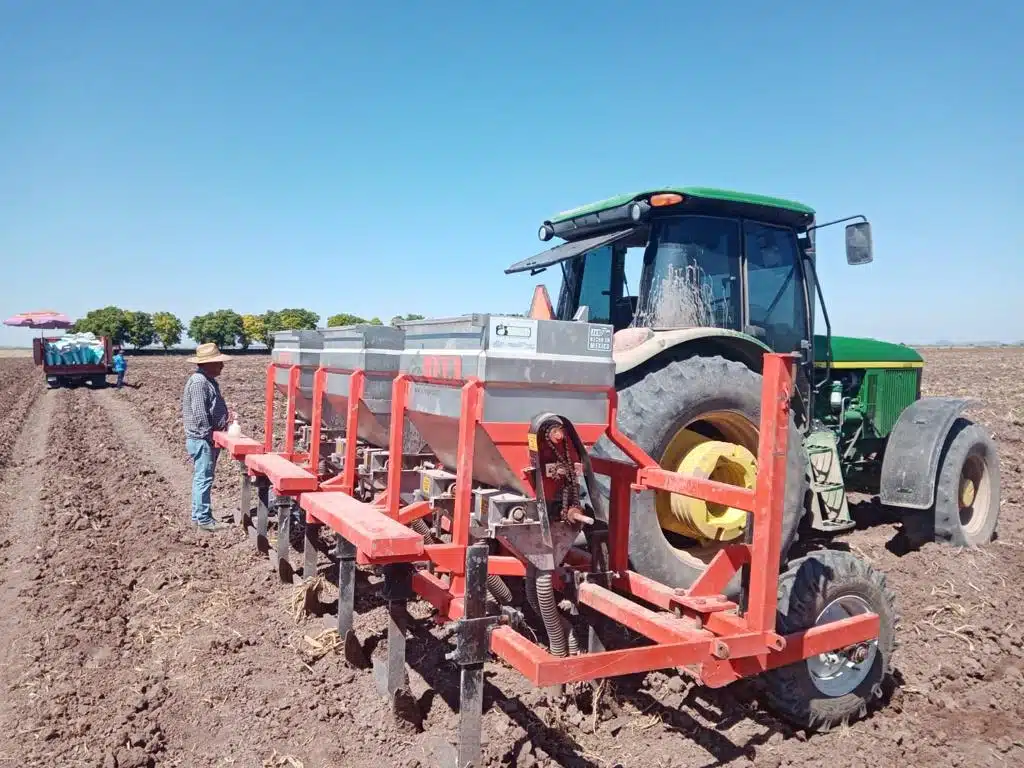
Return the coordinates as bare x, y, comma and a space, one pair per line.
120, 379
204, 457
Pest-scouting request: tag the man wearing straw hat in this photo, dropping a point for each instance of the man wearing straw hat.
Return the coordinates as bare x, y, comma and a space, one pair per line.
204, 411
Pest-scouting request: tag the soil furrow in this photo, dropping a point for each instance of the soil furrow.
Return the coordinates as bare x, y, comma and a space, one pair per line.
20, 385
137, 439
74, 701
21, 502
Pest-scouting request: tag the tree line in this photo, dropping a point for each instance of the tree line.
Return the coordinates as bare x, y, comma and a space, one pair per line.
224, 327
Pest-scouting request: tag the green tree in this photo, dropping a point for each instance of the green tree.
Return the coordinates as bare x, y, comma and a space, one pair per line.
375, 321
223, 327
141, 332
270, 321
403, 318
252, 330
297, 320
336, 321
111, 322
287, 320
167, 328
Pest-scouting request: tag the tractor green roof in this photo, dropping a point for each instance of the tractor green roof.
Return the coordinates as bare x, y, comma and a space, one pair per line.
707, 193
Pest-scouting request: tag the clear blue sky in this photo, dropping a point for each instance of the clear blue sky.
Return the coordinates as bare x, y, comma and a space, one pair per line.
396, 157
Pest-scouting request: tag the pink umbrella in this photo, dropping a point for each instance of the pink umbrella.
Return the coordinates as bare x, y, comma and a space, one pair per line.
45, 319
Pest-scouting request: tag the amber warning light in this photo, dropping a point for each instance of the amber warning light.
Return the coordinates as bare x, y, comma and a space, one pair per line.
668, 198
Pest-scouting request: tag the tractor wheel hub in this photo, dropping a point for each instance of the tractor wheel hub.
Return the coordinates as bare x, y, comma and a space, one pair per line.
725, 463
837, 673
967, 493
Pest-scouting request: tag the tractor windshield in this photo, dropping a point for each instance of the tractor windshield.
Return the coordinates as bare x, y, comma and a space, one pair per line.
691, 274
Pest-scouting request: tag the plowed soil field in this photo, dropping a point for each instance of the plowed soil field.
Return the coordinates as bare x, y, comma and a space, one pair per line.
127, 639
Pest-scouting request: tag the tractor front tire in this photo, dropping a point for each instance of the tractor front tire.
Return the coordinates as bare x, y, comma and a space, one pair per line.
828, 690
966, 509
653, 408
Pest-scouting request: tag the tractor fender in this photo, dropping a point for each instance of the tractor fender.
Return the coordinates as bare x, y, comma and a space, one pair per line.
634, 347
914, 449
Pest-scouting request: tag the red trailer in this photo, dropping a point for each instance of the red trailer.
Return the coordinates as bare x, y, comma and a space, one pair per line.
72, 373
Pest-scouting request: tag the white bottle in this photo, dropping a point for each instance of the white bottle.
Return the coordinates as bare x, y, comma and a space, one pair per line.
234, 428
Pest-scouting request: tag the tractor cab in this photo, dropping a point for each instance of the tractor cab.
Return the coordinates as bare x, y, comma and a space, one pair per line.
692, 258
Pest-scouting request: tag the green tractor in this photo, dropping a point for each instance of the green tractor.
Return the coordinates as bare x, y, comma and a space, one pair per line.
699, 283
719, 278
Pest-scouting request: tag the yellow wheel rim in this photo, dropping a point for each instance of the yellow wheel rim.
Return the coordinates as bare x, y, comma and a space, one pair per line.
967, 492
693, 454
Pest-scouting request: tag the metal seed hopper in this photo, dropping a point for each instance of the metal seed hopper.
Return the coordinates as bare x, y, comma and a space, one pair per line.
523, 367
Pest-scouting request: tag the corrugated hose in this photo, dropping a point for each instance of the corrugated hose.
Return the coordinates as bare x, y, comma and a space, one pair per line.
499, 589
549, 613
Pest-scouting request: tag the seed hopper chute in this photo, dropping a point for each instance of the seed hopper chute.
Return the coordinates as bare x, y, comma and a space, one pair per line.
501, 501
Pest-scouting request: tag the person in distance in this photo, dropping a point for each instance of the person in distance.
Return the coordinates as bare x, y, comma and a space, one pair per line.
120, 366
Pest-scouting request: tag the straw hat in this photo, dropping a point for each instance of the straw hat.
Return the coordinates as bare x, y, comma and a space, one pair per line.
208, 353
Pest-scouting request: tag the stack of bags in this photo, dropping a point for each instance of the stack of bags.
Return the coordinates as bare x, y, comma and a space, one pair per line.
75, 349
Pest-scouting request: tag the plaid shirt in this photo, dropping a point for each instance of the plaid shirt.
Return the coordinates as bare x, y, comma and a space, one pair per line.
202, 408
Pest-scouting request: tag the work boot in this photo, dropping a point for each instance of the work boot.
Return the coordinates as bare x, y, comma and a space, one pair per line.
210, 526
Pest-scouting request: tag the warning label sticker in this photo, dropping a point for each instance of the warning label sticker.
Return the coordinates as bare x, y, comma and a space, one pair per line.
599, 339
513, 333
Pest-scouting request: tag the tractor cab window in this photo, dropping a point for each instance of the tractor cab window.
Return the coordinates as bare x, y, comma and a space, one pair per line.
596, 285
692, 274
606, 280
632, 275
587, 281
774, 287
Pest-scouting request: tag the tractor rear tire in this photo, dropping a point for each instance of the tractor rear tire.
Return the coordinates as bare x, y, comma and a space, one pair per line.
652, 410
802, 692
970, 456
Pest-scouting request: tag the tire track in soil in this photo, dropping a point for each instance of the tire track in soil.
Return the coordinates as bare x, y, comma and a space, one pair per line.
137, 436
134, 437
22, 484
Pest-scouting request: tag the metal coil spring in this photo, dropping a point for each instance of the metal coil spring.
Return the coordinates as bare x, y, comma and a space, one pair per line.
423, 530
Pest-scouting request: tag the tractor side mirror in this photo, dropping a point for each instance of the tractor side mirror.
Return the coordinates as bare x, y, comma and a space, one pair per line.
858, 243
